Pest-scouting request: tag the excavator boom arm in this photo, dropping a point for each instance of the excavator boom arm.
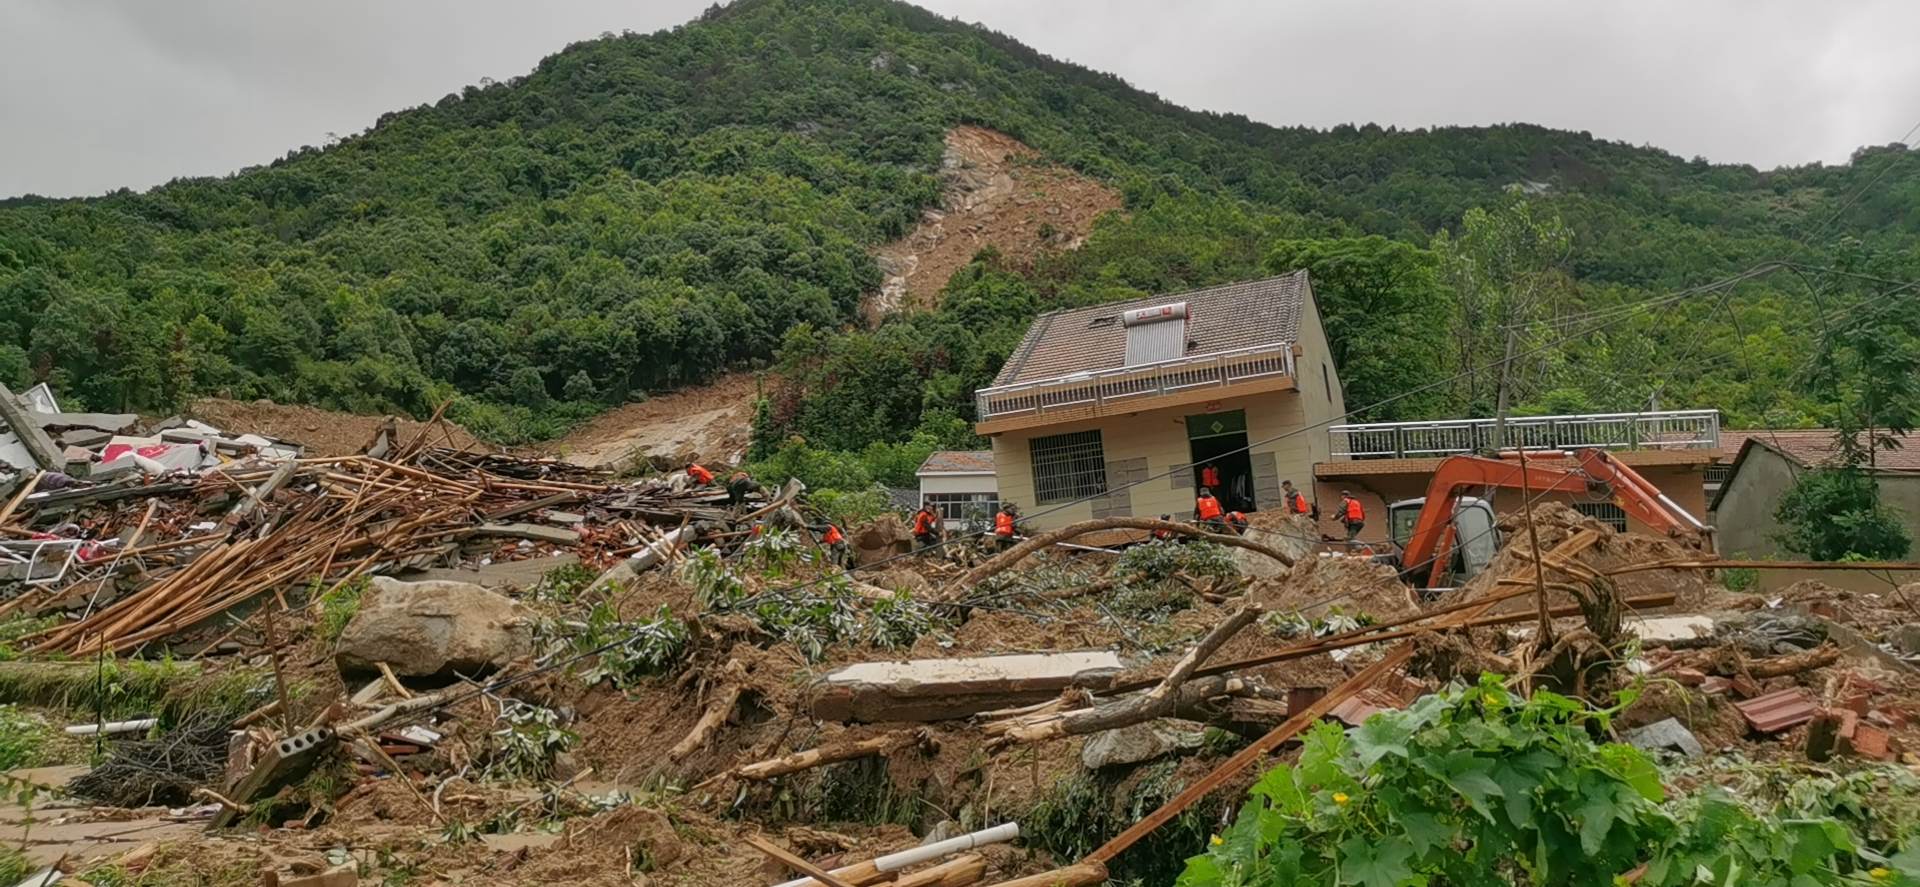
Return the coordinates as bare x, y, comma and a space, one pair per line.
1431, 543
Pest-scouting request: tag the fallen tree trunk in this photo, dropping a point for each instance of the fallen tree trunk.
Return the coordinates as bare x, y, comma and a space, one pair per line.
832, 754
1054, 537
1158, 702
716, 714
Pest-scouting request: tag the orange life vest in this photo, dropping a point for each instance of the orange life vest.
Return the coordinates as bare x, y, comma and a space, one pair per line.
1003, 525
699, 474
1209, 476
1354, 514
1208, 507
1235, 517
832, 536
1300, 505
922, 523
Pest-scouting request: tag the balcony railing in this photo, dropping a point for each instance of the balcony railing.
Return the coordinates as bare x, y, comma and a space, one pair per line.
1670, 430
1120, 387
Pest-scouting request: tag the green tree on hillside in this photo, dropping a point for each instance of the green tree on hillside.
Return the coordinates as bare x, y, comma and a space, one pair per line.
1386, 317
1508, 271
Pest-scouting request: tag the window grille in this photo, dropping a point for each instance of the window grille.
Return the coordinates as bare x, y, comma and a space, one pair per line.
1604, 512
963, 508
1068, 467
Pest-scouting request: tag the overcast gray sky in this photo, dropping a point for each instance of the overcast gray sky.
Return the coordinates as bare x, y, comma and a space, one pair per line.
100, 94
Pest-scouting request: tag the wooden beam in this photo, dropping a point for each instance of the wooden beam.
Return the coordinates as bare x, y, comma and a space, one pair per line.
793, 861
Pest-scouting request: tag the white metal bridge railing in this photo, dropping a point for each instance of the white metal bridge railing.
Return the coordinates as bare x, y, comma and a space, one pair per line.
1668, 430
1124, 385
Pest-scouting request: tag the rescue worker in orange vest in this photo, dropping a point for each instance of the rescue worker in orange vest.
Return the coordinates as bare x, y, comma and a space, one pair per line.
1351, 515
836, 544
738, 486
1210, 476
1163, 535
1237, 522
1005, 526
1291, 499
699, 474
1207, 510
926, 528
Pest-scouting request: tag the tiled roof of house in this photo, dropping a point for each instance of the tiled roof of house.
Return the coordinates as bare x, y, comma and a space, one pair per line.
958, 461
1220, 318
1813, 447
1365, 467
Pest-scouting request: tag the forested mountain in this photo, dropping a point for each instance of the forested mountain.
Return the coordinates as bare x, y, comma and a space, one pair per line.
641, 211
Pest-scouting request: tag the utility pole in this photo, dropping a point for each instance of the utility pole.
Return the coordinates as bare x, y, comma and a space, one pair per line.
1501, 396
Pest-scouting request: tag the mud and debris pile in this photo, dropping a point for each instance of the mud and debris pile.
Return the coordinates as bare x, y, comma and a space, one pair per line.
427, 662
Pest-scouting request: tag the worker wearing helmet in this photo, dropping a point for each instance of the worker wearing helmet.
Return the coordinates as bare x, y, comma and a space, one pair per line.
1164, 535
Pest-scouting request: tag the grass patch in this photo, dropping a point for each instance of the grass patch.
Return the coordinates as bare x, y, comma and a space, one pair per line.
17, 627
14, 866
178, 865
26, 740
124, 688
338, 606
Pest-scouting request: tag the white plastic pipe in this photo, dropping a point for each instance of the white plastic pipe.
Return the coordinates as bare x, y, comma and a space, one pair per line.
999, 834
113, 727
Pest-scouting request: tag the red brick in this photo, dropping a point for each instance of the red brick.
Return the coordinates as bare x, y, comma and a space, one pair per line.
1687, 677
1872, 742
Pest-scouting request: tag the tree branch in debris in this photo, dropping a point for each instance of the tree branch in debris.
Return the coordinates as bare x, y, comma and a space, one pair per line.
716, 714
1054, 537
834, 754
1161, 701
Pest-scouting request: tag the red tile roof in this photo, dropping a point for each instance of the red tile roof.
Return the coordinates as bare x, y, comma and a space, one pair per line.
1220, 318
1777, 711
1811, 447
958, 461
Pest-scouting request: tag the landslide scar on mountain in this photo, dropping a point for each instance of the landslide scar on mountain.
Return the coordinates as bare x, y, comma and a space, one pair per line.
995, 191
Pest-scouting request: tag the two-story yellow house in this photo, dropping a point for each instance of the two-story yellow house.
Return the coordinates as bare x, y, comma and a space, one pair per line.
1100, 403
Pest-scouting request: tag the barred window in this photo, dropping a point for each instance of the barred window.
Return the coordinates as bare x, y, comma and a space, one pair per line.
1068, 467
1604, 512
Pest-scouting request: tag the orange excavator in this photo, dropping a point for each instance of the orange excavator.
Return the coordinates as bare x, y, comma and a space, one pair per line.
1447, 535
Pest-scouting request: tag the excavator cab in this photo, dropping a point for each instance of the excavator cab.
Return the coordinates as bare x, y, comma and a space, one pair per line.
1477, 537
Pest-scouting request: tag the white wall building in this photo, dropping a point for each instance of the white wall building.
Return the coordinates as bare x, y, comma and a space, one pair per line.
960, 485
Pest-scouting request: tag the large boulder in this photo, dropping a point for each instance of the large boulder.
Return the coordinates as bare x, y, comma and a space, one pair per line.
434, 629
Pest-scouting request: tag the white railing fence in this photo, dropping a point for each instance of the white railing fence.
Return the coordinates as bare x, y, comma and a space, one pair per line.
1668, 430
1122, 385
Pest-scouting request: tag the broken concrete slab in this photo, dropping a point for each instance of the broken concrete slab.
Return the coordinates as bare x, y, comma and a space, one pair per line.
112, 423
534, 532
940, 689
1667, 735
434, 629
1668, 629
497, 575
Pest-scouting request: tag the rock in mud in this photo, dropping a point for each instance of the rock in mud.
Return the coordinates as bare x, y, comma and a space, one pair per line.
434, 629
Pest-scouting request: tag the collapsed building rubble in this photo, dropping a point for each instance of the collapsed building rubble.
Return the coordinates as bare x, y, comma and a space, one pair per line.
507, 669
